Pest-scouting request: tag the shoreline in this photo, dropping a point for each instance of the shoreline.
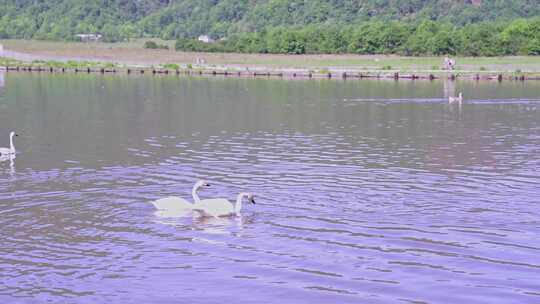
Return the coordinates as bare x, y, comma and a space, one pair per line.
277, 73
131, 58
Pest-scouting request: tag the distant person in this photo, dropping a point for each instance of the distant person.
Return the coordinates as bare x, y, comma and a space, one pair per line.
449, 63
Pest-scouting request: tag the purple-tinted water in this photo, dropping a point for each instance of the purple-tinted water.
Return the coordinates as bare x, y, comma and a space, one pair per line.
367, 191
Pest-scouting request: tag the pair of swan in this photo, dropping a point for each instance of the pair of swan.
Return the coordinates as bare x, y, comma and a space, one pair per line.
210, 207
458, 99
11, 149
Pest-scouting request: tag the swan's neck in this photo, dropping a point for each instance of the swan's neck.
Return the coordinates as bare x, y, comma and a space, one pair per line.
11, 146
196, 198
238, 205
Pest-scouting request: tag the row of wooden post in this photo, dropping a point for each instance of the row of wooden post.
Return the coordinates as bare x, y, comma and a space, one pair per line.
329, 75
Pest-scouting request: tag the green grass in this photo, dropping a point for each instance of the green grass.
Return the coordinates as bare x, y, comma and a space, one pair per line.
398, 62
172, 66
71, 64
43, 44
9, 62
133, 51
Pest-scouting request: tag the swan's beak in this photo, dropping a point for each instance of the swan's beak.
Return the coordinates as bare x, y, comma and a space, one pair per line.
207, 185
252, 201
16, 134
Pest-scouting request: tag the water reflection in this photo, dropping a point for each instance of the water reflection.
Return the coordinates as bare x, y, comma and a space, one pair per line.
2, 80
449, 89
9, 158
221, 225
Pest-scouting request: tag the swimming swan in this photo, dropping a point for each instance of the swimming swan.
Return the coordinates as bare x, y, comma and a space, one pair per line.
217, 207
11, 149
174, 203
458, 99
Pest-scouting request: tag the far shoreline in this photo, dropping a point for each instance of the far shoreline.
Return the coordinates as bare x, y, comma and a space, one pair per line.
131, 57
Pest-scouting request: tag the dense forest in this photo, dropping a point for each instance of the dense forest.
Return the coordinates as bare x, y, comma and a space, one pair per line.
413, 27
427, 37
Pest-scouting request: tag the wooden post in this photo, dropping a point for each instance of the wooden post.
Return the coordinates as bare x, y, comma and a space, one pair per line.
500, 77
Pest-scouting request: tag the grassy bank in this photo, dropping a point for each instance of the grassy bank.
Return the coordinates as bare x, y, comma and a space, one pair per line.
132, 54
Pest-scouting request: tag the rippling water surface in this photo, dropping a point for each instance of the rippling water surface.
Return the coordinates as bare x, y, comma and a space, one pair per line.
367, 191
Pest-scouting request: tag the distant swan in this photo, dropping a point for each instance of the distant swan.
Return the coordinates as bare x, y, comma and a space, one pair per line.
456, 99
11, 149
222, 207
178, 204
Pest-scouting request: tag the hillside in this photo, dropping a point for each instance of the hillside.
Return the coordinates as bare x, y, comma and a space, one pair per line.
171, 19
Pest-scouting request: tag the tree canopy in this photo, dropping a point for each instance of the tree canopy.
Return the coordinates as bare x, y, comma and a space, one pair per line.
171, 19
412, 27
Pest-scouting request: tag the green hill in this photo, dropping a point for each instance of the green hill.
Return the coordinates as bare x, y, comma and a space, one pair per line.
170, 19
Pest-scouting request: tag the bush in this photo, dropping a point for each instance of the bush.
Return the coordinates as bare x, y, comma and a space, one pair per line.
150, 45
153, 45
172, 66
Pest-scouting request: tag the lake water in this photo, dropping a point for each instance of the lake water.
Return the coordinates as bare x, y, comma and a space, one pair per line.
367, 191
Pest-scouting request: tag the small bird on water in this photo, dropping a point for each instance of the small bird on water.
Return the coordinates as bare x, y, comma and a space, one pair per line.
458, 99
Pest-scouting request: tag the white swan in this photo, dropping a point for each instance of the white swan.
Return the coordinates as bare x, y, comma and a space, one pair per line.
178, 204
11, 149
217, 207
458, 99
